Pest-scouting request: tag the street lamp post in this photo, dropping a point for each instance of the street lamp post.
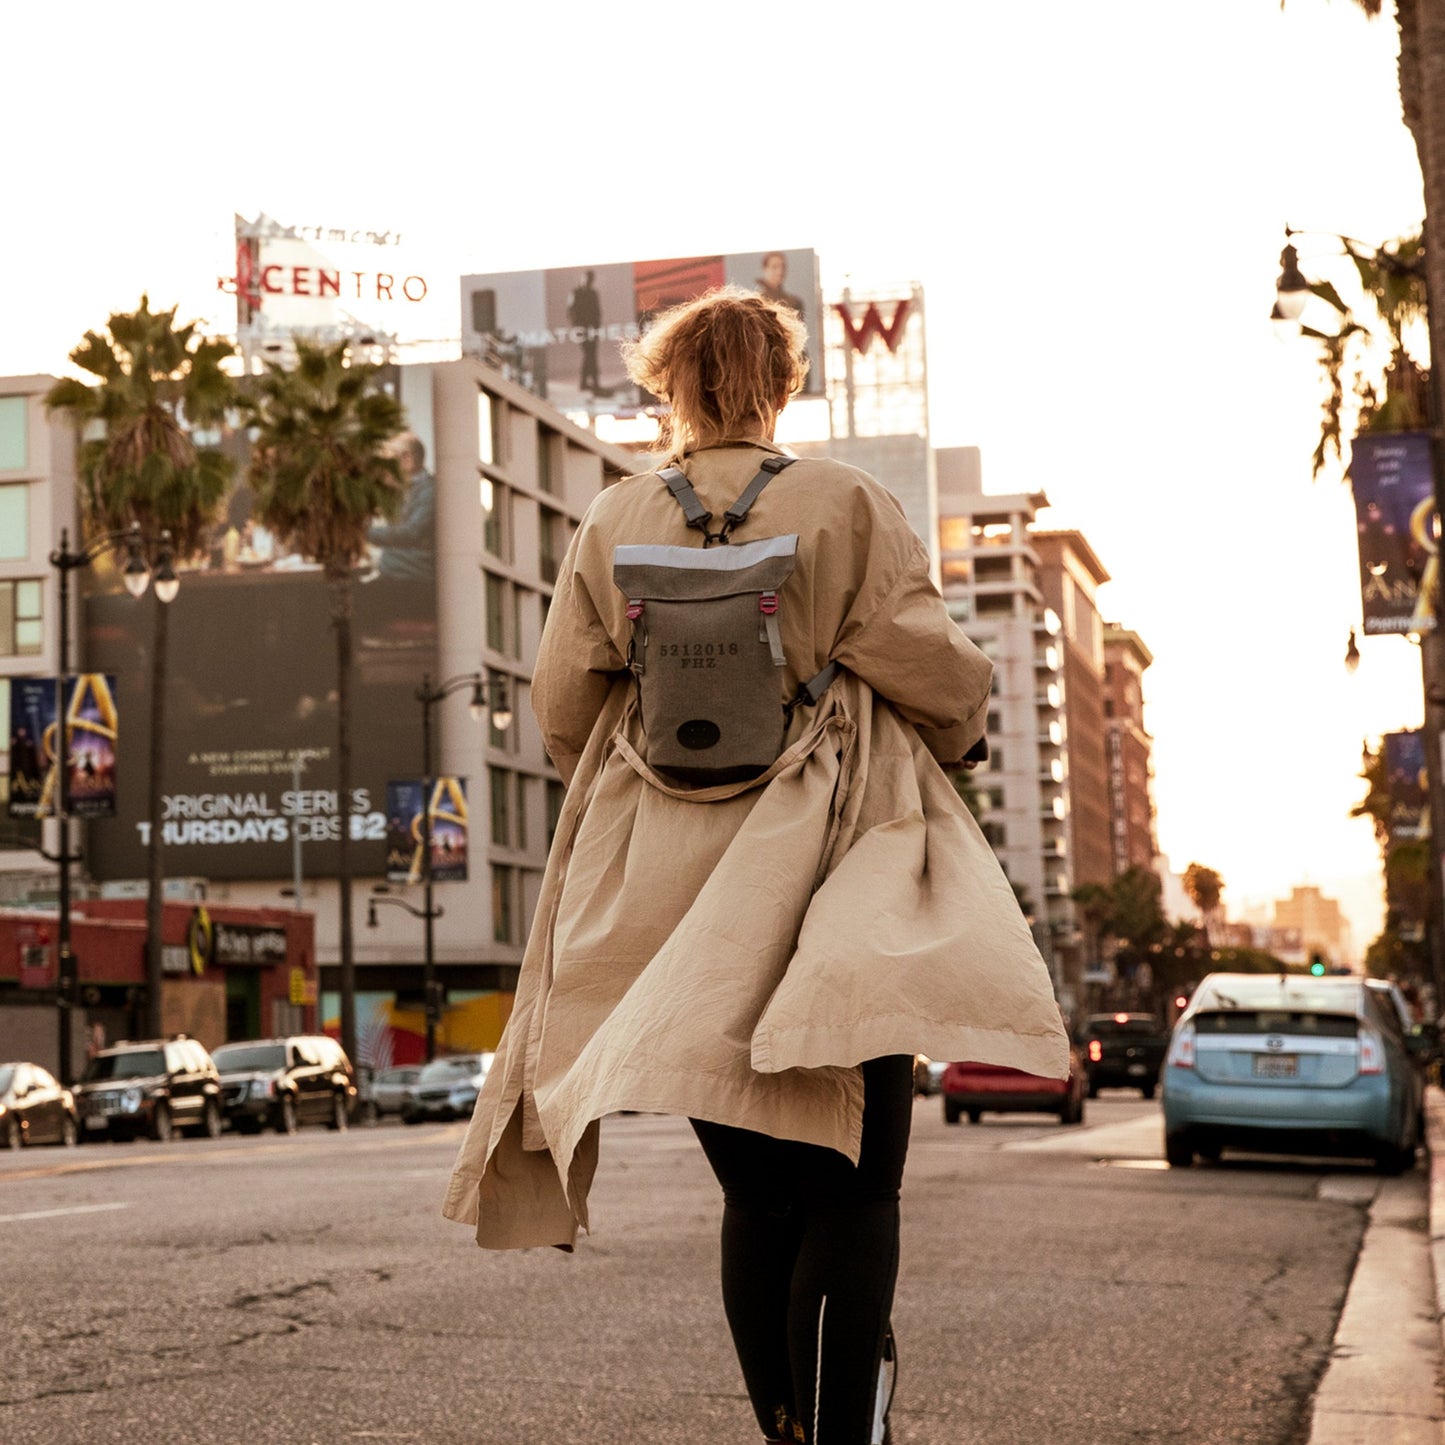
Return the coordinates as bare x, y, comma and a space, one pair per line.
489, 696
1293, 290
137, 577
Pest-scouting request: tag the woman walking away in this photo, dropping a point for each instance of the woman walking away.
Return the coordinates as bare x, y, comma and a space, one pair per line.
764, 896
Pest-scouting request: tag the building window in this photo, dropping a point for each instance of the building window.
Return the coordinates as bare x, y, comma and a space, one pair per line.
995, 834
993, 605
521, 833
491, 418
497, 520
955, 534
501, 807
548, 446
20, 618
496, 603
995, 758
503, 912
993, 724
14, 451
551, 541
994, 569
14, 521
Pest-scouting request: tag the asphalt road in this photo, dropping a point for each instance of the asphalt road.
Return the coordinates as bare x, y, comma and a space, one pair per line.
1058, 1287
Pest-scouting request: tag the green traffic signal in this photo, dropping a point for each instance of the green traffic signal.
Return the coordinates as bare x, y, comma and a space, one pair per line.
1317, 965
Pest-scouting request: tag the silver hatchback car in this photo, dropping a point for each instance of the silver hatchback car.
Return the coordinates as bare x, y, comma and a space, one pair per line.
1287, 1064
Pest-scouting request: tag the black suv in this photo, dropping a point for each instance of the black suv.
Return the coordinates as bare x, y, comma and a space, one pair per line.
285, 1083
154, 1087
1125, 1049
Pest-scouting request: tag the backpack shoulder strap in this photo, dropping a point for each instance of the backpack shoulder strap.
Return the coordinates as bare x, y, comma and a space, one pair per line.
740, 508
677, 483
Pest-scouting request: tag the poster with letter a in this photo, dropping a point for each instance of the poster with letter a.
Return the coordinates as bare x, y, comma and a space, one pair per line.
1393, 482
405, 804
91, 730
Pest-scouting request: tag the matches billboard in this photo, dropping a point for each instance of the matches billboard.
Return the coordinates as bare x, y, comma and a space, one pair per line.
558, 332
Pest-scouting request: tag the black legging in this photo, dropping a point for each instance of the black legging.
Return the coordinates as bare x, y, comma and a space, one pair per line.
809, 1261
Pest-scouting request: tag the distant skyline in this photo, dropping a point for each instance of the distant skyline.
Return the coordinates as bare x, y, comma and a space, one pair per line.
1093, 198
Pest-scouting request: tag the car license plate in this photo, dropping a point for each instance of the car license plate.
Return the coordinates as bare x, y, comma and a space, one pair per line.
1276, 1066
95, 1121
1137, 1068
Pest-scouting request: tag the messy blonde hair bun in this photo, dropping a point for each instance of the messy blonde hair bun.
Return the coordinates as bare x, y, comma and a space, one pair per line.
724, 363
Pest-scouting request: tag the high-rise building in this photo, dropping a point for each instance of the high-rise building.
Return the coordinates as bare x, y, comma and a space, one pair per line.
990, 581
1320, 922
1131, 769
1070, 575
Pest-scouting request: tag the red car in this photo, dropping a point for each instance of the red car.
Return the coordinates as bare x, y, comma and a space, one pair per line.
976, 1089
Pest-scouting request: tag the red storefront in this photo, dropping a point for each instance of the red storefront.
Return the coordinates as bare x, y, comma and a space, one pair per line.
230, 973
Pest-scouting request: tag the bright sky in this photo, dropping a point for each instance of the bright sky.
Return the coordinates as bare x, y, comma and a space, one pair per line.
1093, 197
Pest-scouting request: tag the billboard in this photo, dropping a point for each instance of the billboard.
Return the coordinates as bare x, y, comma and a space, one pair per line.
1393, 481
405, 804
557, 332
320, 281
92, 732
1408, 785
251, 693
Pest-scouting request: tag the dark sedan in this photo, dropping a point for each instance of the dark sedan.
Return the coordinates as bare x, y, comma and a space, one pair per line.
35, 1108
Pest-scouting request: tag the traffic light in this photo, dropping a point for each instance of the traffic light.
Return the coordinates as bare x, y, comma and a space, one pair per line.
1317, 964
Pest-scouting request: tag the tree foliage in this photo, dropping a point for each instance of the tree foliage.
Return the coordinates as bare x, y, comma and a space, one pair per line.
320, 466
1205, 888
155, 382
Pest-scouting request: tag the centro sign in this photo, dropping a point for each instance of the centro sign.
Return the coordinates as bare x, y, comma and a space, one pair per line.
318, 281
279, 280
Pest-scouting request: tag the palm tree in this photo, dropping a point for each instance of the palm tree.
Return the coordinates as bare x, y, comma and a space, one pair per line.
322, 472
155, 381
1205, 889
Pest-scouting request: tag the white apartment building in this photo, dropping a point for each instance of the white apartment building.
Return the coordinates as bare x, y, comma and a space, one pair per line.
989, 580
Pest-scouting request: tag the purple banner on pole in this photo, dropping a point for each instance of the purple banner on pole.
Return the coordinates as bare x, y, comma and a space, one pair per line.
405, 804
91, 732
1393, 481
1408, 785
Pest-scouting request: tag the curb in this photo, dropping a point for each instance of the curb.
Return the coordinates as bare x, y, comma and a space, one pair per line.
1381, 1384
1435, 1226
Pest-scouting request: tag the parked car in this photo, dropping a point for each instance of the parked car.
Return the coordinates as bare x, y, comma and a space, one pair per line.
1123, 1050
35, 1108
286, 1082
1286, 1064
977, 1089
155, 1087
927, 1075
446, 1088
388, 1089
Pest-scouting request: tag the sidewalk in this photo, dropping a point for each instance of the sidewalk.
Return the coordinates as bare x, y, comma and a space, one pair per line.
1383, 1383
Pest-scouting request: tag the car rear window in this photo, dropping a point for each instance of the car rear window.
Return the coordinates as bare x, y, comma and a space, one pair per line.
1277, 1021
1105, 1027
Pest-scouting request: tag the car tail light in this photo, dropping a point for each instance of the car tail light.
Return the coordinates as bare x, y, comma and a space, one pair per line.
1372, 1054
1181, 1047
1096, 1051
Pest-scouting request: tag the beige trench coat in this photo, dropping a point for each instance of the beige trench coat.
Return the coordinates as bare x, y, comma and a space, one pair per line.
734, 953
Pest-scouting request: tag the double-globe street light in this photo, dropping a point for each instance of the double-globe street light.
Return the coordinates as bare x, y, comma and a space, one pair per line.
489, 697
1292, 293
137, 577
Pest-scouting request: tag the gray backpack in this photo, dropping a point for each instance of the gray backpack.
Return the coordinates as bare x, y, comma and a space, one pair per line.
706, 646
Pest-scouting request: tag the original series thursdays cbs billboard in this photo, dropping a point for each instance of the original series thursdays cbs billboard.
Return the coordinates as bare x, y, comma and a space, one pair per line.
251, 707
